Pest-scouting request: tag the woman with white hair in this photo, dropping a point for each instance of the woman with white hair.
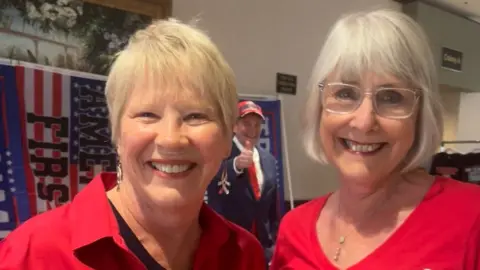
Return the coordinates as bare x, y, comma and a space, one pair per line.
172, 105
374, 114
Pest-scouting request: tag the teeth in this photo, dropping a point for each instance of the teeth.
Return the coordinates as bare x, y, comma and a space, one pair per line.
363, 148
170, 168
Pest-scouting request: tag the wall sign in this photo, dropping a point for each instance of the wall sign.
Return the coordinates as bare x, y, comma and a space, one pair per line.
452, 59
286, 84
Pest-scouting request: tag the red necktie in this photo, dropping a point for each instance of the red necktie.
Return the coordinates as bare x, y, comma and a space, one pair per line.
252, 173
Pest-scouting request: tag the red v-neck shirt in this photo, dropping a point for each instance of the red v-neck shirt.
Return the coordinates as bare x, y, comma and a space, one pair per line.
442, 233
84, 234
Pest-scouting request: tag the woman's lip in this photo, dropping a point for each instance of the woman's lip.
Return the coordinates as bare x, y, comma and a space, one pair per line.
362, 142
172, 161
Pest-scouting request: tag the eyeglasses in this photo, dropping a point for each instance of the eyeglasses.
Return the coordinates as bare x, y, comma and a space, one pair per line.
388, 102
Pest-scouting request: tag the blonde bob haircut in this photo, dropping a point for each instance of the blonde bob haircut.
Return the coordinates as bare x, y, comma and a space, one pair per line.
385, 42
174, 56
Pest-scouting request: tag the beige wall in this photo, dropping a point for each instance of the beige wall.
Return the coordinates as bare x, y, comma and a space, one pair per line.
262, 37
451, 103
468, 122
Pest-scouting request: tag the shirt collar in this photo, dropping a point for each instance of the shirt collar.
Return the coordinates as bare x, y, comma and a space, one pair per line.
92, 218
215, 233
237, 143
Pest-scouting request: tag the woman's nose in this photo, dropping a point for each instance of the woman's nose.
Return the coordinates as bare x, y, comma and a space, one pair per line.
170, 133
364, 118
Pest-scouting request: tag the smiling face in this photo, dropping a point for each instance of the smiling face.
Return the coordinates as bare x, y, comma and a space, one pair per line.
364, 146
249, 128
171, 145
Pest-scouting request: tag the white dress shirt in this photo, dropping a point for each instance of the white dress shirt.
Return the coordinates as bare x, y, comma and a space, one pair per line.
256, 163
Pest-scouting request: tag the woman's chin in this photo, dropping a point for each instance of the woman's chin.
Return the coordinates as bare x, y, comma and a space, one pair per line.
359, 175
167, 196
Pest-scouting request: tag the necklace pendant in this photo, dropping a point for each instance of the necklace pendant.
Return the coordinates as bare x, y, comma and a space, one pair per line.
337, 254
341, 240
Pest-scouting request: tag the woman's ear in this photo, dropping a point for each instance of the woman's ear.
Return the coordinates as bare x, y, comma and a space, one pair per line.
118, 147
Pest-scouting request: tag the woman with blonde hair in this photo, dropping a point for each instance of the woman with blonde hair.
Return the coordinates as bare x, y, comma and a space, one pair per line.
172, 106
374, 114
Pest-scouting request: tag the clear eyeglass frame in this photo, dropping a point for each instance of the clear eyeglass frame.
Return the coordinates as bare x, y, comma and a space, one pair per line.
322, 86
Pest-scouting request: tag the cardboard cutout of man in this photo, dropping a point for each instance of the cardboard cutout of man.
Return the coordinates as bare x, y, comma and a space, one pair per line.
244, 190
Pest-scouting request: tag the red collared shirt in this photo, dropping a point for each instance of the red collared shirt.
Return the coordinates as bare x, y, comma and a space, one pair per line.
85, 235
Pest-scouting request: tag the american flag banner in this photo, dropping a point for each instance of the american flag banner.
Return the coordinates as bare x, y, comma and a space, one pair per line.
54, 139
7, 217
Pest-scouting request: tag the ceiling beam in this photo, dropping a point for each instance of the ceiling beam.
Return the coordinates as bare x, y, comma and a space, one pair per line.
405, 1
158, 9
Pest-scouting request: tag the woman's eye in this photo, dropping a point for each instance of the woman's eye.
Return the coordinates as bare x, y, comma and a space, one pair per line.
346, 93
196, 117
146, 115
390, 96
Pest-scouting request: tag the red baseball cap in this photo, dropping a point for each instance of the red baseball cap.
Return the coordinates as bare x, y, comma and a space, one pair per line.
248, 106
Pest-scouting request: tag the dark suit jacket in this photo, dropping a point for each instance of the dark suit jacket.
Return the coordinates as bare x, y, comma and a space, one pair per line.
240, 206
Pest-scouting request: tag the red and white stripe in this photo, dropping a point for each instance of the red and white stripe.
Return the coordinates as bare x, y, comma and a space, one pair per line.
51, 97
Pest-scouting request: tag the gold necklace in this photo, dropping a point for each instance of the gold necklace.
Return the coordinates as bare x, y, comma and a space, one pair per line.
342, 238
341, 241
339, 249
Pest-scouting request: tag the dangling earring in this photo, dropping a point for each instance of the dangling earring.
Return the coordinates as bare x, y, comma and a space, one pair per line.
119, 173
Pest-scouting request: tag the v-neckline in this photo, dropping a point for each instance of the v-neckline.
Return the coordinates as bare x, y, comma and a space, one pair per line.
394, 236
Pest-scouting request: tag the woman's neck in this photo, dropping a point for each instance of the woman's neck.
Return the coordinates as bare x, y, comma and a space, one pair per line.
170, 234
356, 201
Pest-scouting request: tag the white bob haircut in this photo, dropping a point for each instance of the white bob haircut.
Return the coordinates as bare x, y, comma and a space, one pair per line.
385, 42
172, 56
